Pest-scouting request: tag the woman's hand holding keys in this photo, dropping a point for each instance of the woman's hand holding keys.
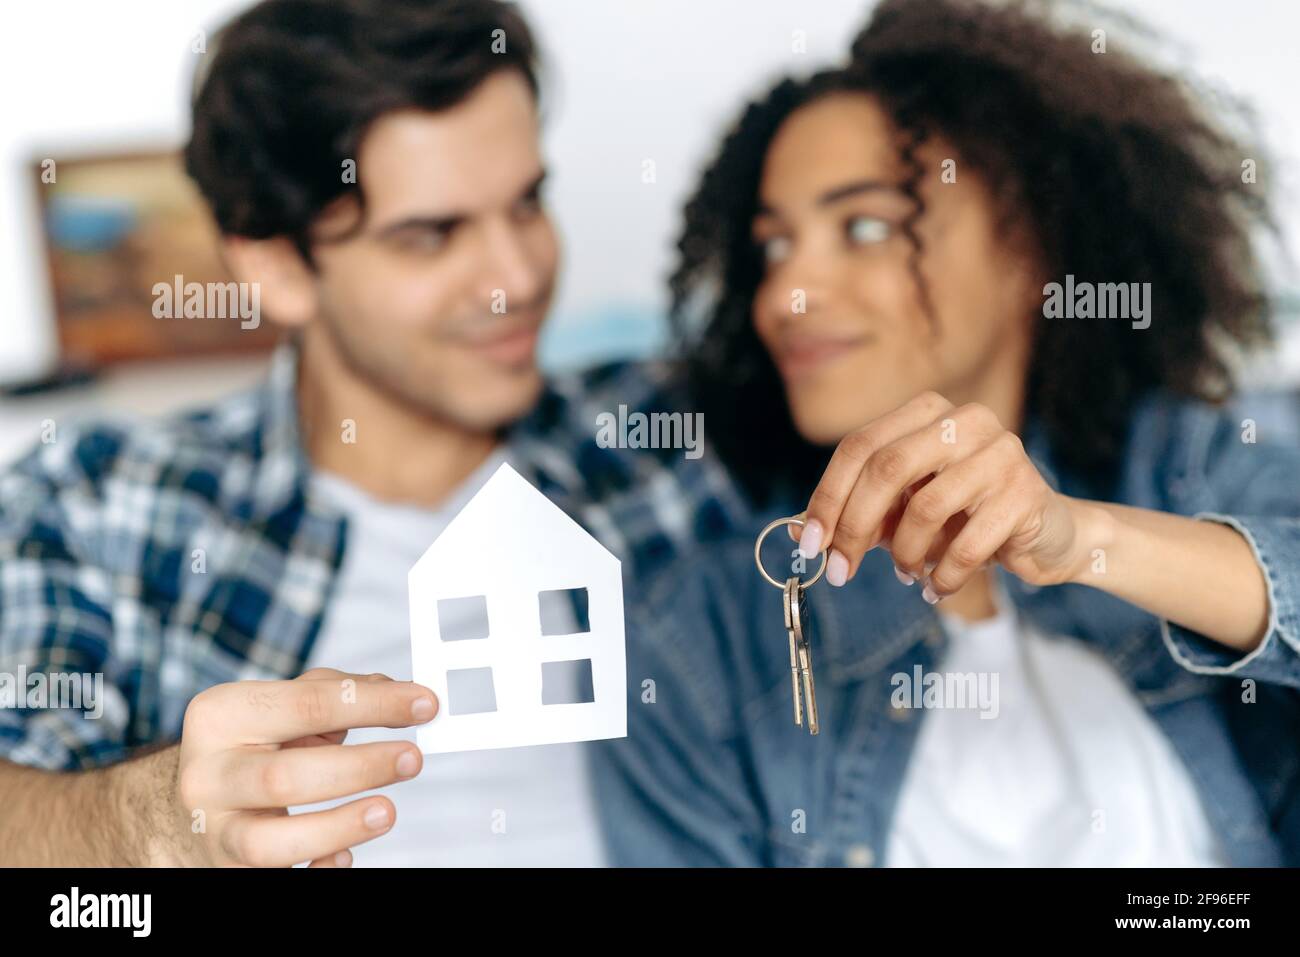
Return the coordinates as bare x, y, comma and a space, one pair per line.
946, 490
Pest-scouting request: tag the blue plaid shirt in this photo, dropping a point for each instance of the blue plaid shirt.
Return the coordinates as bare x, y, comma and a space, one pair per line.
175, 555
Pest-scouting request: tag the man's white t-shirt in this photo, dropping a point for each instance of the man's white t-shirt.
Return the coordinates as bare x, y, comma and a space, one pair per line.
495, 808
1071, 772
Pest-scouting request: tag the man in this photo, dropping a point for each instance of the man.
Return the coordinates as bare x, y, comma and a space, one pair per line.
374, 166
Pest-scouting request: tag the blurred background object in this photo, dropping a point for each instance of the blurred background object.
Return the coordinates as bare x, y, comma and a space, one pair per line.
116, 226
636, 95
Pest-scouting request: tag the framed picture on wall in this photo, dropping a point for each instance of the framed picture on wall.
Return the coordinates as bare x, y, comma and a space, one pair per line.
134, 265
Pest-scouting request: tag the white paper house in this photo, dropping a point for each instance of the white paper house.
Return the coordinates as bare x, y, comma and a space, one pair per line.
508, 546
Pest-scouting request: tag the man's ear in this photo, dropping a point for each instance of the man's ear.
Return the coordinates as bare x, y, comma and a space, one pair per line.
287, 284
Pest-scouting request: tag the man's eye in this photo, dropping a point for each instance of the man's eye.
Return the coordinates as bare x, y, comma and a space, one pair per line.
866, 230
425, 240
528, 207
776, 249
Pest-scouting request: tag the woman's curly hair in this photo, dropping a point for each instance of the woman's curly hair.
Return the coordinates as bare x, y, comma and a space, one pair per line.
1117, 169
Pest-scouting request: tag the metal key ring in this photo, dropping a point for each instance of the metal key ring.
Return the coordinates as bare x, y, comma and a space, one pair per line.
759, 561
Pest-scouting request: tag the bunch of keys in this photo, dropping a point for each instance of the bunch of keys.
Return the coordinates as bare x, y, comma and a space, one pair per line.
799, 629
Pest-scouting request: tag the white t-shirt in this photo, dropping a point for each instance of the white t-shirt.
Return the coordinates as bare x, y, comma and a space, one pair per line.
504, 807
1071, 771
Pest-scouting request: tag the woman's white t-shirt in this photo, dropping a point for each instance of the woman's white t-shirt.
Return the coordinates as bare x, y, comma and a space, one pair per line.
1071, 771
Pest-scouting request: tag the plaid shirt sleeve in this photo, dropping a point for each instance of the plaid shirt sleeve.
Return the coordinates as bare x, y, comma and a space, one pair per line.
56, 610
98, 528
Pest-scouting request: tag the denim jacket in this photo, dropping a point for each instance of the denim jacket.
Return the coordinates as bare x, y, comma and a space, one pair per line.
714, 772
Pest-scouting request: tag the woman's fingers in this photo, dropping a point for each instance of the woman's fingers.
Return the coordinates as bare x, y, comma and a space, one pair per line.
897, 467
938, 546
884, 478
946, 490
850, 457
960, 487
986, 531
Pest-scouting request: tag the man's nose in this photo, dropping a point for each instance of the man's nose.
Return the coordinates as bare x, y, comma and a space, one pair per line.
511, 267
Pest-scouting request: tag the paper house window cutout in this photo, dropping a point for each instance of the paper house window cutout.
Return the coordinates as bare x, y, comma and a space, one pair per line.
470, 691
541, 577
567, 682
463, 619
564, 611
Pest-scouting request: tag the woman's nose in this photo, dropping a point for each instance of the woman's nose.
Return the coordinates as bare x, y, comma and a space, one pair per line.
801, 286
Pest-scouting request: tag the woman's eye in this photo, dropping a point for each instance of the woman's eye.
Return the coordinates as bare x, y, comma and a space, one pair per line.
776, 249
865, 230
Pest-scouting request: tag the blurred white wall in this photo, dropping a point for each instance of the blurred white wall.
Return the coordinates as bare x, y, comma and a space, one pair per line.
631, 80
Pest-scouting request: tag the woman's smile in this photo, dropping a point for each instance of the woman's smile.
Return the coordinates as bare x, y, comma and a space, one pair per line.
804, 352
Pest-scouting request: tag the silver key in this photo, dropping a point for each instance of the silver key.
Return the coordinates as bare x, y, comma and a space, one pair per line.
799, 628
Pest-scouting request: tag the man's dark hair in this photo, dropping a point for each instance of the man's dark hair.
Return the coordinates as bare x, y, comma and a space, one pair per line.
1116, 169
293, 86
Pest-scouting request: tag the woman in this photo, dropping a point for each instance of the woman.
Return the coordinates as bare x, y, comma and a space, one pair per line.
979, 290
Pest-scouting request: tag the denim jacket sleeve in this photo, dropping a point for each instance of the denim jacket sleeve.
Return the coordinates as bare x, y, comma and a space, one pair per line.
1224, 476
675, 792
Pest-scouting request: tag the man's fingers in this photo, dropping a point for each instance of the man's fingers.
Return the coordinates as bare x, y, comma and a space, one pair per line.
316, 740
272, 712
323, 673
341, 859
331, 737
253, 780
283, 840
851, 455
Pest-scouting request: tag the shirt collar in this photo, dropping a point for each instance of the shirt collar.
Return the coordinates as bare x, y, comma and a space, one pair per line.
282, 467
